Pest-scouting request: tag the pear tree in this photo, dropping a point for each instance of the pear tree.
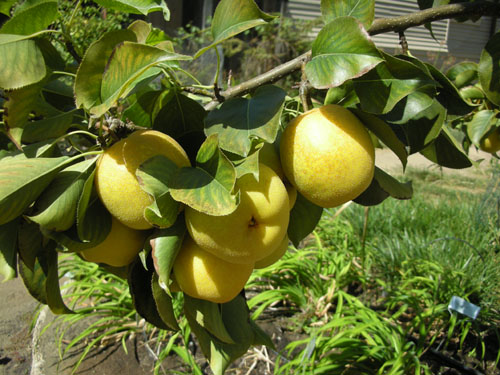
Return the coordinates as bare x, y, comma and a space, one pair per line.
88, 135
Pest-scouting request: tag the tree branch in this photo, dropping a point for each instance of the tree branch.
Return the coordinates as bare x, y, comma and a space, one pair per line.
379, 26
397, 24
271, 76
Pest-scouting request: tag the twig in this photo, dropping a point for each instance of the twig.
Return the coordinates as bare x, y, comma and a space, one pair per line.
305, 98
403, 42
397, 24
198, 91
271, 76
217, 91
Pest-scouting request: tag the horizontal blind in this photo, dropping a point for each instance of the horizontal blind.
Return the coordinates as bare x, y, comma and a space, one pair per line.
467, 39
418, 38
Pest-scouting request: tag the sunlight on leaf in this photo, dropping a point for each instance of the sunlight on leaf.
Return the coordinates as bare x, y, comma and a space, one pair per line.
363, 10
232, 17
342, 50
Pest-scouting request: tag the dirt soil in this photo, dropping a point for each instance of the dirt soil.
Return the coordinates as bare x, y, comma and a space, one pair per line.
24, 350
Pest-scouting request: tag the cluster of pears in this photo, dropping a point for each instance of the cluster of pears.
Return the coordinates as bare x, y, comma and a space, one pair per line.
325, 154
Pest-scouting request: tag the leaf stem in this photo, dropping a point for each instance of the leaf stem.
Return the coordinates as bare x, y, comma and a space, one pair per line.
62, 73
216, 79
66, 30
304, 95
198, 83
85, 154
77, 7
73, 133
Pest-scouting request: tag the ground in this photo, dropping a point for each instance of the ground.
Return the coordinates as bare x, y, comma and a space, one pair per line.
26, 351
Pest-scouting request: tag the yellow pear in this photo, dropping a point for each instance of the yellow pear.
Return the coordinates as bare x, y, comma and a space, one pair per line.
327, 154
254, 229
275, 255
115, 179
119, 248
292, 194
269, 156
202, 275
491, 143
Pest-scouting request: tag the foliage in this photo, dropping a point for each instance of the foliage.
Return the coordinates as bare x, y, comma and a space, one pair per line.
88, 22
58, 117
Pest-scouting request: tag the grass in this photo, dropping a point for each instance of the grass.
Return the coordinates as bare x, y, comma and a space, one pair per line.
356, 299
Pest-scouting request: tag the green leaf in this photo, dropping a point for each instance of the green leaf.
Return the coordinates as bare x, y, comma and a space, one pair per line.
463, 73
56, 207
208, 188
43, 149
140, 284
21, 64
240, 120
142, 106
52, 57
382, 88
232, 17
363, 10
5, 6
165, 245
489, 69
385, 133
472, 95
425, 4
209, 316
447, 151
157, 37
48, 128
17, 108
30, 242
236, 317
155, 176
422, 129
141, 29
42, 281
48, 260
342, 50
343, 95
382, 186
89, 233
448, 94
246, 165
178, 116
220, 354
164, 304
304, 217
86, 232
261, 337
22, 181
411, 106
129, 64
137, 6
34, 279
89, 75
373, 195
395, 188
480, 125
162, 213
40, 16
8, 250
